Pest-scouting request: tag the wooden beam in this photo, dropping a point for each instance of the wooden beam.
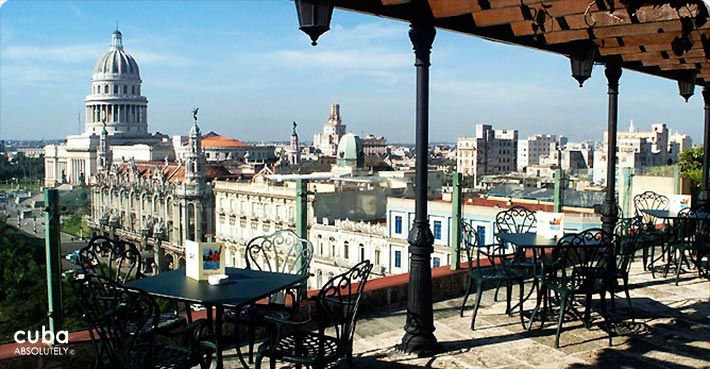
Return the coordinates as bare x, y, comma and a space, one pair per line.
394, 2
446, 8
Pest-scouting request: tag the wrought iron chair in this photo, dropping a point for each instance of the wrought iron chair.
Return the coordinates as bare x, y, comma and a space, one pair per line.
691, 241
498, 270
279, 252
113, 312
120, 261
581, 266
628, 232
336, 316
517, 219
651, 236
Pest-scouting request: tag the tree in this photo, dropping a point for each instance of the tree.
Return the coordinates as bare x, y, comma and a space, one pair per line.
691, 166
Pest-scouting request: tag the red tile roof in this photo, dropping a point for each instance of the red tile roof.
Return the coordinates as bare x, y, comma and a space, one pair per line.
214, 140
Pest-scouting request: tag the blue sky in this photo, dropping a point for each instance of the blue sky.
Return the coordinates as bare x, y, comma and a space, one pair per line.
252, 72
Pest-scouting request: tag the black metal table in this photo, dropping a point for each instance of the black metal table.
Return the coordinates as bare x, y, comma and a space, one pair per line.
536, 243
243, 287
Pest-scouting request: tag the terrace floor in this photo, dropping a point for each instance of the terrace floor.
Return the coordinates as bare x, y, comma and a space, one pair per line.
671, 330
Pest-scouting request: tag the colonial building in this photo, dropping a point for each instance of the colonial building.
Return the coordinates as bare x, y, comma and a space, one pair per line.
333, 129
346, 210
115, 104
157, 204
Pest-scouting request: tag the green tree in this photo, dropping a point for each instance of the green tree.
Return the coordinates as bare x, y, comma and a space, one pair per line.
691, 166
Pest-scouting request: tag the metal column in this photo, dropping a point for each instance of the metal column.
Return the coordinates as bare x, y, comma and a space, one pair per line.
455, 237
704, 197
609, 214
419, 326
54, 272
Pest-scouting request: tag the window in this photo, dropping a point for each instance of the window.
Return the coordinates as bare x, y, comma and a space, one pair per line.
320, 244
125, 89
398, 259
398, 224
105, 89
377, 257
481, 231
115, 89
436, 262
133, 90
362, 253
437, 229
346, 249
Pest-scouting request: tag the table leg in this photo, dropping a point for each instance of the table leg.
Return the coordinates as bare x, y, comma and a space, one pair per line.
219, 310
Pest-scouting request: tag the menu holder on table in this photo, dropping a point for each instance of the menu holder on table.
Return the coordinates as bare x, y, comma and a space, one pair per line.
677, 203
550, 225
204, 259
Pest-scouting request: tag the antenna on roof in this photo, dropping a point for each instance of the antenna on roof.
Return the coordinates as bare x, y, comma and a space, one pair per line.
116, 24
78, 120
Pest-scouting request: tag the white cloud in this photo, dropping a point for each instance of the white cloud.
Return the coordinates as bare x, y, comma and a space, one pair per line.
54, 54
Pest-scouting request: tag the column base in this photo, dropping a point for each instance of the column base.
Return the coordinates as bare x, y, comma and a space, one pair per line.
422, 345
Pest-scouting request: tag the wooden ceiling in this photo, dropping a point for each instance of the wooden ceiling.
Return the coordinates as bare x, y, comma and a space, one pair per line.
663, 38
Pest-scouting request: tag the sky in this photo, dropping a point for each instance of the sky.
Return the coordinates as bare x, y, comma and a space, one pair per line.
251, 72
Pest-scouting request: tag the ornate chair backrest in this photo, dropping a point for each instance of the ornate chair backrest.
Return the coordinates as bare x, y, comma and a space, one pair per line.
693, 225
478, 253
337, 304
584, 258
280, 252
650, 200
517, 219
116, 260
113, 312
628, 232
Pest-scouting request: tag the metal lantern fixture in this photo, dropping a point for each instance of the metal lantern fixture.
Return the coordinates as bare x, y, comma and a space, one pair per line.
582, 61
314, 17
686, 85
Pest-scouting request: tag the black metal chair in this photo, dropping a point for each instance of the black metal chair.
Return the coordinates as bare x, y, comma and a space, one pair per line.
120, 261
336, 316
113, 313
691, 241
497, 270
651, 235
279, 252
517, 219
628, 232
581, 266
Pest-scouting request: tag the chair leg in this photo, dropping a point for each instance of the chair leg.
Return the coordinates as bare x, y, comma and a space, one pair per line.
628, 296
614, 286
259, 358
508, 293
479, 290
495, 296
587, 309
563, 305
465, 298
679, 265
251, 342
520, 301
545, 299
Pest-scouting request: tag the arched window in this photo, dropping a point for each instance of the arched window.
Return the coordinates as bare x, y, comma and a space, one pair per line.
319, 242
319, 279
105, 89
125, 89
346, 249
362, 253
331, 240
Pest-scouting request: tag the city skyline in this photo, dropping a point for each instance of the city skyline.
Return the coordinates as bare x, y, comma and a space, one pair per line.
262, 74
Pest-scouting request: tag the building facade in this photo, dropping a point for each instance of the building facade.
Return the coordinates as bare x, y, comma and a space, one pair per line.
488, 152
532, 148
333, 130
116, 104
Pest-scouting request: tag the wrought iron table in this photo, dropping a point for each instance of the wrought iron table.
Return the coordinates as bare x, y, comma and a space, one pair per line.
242, 288
536, 243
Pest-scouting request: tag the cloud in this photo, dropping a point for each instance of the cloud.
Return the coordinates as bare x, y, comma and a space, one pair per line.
55, 54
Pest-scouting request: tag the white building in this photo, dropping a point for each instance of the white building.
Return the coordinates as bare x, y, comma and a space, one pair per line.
640, 150
489, 152
333, 130
115, 102
532, 148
